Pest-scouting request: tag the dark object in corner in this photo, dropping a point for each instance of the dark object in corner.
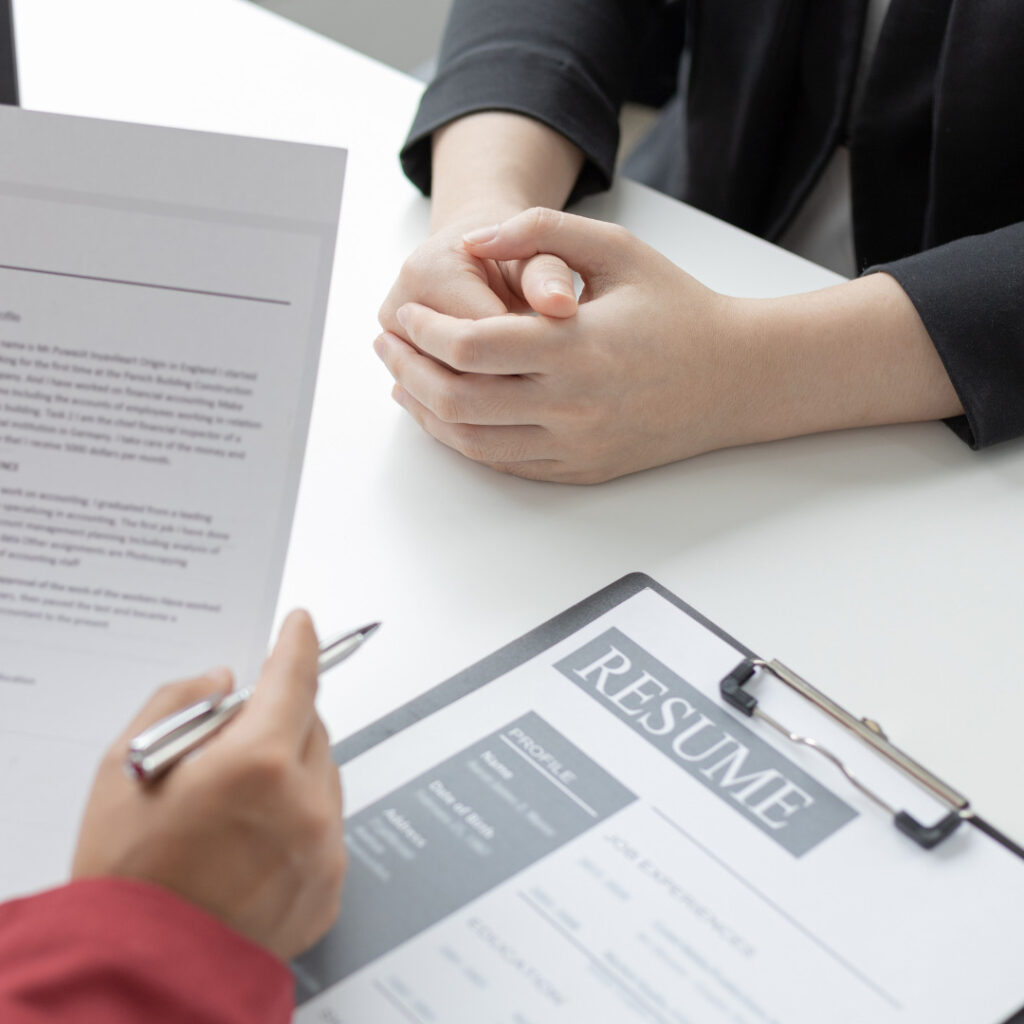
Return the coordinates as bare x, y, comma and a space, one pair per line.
8, 62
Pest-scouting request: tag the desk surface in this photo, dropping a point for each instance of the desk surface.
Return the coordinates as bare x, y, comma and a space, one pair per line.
884, 564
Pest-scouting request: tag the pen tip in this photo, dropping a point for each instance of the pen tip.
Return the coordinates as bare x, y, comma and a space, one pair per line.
369, 630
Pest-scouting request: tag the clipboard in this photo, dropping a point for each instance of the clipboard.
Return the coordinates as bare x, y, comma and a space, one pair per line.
930, 838
734, 692
870, 733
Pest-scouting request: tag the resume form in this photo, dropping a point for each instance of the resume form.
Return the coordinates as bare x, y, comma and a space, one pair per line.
162, 301
579, 829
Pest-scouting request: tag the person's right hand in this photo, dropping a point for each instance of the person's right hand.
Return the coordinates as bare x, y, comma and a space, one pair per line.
249, 827
443, 275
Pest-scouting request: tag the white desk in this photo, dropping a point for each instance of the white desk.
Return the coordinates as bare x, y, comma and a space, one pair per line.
885, 565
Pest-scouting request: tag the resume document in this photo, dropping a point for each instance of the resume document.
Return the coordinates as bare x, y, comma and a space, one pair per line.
579, 829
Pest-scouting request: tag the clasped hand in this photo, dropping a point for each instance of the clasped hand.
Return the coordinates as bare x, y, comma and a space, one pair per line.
633, 376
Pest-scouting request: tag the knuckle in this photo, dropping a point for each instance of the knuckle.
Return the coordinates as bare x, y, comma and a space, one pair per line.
399, 356
493, 449
510, 452
542, 219
464, 351
618, 235
266, 771
547, 261
586, 423
523, 470
410, 405
398, 364
549, 265
413, 269
470, 442
447, 404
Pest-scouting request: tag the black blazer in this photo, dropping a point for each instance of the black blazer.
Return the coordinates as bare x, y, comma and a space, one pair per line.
755, 96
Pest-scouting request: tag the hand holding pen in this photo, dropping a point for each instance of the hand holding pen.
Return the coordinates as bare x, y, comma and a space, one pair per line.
160, 746
252, 830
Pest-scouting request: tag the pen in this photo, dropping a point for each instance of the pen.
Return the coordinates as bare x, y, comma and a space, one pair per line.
166, 742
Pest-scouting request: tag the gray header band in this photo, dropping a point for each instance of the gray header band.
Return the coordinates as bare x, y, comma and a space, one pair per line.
453, 833
707, 742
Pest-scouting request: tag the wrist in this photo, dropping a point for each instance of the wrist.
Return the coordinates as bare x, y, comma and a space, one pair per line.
491, 165
853, 355
475, 212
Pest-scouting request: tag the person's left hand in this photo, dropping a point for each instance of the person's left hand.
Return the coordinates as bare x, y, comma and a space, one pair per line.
639, 377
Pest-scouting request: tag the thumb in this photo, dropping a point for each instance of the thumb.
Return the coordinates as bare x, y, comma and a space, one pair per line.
545, 283
589, 246
283, 701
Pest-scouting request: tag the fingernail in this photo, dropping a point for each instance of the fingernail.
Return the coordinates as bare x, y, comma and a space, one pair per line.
402, 315
556, 287
481, 235
398, 394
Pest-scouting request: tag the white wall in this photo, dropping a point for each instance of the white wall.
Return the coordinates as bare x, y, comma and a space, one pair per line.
402, 33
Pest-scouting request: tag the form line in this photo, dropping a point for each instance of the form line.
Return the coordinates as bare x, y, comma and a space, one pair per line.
639, 1003
146, 284
554, 782
820, 943
398, 1004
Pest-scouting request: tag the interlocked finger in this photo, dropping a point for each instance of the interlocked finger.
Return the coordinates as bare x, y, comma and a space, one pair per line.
459, 398
546, 284
487, 444
512, 343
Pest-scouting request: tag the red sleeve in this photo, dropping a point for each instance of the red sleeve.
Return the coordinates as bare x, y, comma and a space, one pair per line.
107, 951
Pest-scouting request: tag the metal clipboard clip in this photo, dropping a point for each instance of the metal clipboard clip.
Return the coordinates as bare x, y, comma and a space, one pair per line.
926, 836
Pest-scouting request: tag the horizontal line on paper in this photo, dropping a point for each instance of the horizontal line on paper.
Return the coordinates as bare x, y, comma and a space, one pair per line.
146, 284
400, 1006
819, 942
636, 999
547, 775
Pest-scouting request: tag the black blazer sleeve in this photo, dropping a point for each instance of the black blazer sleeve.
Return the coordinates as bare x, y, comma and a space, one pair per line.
970, 296
567, 63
